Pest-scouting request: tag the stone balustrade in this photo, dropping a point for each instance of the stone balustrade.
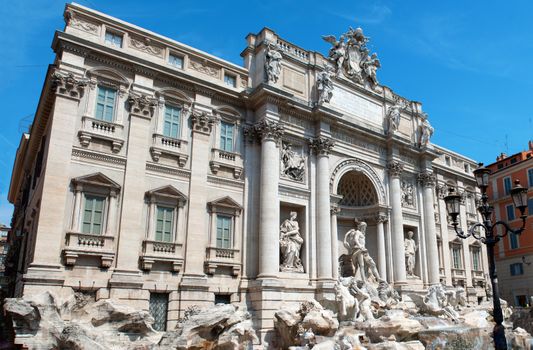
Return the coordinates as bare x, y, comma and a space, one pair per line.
83, 244
231, 160
101, 129
169, 146
229, 257
166, 252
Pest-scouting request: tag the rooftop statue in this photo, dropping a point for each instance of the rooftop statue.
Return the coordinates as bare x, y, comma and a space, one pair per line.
352, 58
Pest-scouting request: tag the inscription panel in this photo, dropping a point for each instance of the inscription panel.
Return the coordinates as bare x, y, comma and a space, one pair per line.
293, 80
355, 105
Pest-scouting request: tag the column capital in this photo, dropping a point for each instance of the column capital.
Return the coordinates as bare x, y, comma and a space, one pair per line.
395, 168
381, 218
321, 145
202, 122
334, 210
268, 130
67, 85
442, 190
427, 179
141, 105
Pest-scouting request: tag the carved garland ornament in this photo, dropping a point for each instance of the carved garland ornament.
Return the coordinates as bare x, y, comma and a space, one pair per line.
66, 84
202, 122
142, 105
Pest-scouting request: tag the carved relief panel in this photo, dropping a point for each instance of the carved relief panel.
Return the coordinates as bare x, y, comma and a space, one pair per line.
292, 162
408, 194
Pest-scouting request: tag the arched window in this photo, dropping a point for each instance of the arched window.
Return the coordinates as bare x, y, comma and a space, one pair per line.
357, 190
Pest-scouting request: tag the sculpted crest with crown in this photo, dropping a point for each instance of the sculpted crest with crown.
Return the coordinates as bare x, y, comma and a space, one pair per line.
352, 58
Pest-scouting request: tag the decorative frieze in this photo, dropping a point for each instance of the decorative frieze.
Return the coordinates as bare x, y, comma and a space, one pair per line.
269, 130
146, 46
75, 22
67, 85
204, 68
202, 122
142, 105
394, 168
427, 179
321, 145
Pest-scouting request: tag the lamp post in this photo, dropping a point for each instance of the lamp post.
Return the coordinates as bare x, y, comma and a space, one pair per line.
485, 233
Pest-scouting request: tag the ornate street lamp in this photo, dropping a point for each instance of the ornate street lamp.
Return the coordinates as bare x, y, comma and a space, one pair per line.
485, 233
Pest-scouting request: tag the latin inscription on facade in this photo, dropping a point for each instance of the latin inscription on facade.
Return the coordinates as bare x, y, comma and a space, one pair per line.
357, 106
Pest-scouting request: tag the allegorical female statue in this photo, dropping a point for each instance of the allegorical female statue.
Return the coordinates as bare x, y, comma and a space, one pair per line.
410, 253
290, 243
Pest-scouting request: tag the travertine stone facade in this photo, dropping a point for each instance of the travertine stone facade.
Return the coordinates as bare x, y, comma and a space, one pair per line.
153, 167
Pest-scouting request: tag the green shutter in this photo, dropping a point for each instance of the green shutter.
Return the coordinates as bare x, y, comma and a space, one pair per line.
164, 224
105, 103
223, 231
226, 136
93, 214
171, 126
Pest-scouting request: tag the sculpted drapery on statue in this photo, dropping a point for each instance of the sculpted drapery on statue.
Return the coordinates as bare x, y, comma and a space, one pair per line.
272, 64
410, 253
324, 85
290, 243
352, 57
355, 243
426, 131
394, 116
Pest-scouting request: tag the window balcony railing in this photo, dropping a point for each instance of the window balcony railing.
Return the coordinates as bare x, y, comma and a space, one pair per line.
100, 129
166, 252
221, 158
169, 146
478, 274
461, 273
83, 244
223, 257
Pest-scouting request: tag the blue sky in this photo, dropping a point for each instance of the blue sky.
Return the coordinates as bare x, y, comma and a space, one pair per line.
468, 62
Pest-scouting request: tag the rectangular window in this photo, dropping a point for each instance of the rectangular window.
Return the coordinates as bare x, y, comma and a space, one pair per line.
226, 136
164, 224
500, 166
517, 269
530, 177
467, 168
224, 231
513, 239
105, 103
175, 60
448, 160
230, 80
159, 309
93, 214
113, 39
222, 299
476, 259
171, 126
456, 255
507, 185
513, 160
510, 212
530, 206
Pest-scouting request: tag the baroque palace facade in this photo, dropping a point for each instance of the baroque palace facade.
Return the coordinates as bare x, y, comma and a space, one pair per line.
166, 177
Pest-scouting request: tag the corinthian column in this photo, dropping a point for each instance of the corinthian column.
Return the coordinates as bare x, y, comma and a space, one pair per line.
334, 241
395, 169
270, 132
382, 258
322, 146
427, 180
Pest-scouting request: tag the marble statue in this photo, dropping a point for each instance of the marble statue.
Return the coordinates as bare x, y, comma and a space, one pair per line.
410, 253
394, 116
272, 63
293, 165
426, 131
456, 298
352, 58
408, 198
436, 303
358, 290
355, 243
290, 242
347, 304
324, 85
387, 294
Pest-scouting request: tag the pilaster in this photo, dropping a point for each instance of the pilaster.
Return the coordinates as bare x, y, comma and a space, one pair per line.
382, 258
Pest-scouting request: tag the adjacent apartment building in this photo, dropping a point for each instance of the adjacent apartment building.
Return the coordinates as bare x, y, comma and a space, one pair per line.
515, 252
159, 174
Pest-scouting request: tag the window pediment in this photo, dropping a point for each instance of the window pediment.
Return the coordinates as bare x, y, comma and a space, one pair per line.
168, 192
226, 204
96, 179
107, 75
174, 96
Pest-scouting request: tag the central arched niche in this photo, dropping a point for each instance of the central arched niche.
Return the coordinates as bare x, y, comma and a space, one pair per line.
359, 202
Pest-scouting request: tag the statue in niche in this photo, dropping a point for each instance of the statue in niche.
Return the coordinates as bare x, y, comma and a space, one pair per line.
290, 243
408, 198
410, 253
426, 131
272, 63
355, 243
394, 116
293, 165
324, 85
